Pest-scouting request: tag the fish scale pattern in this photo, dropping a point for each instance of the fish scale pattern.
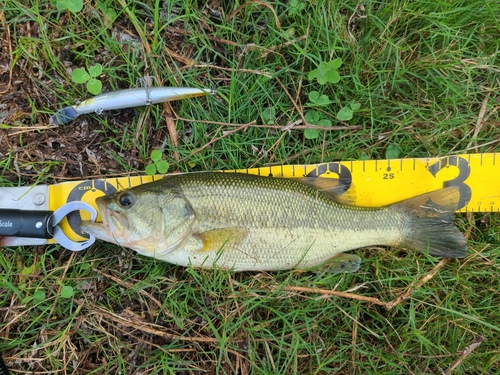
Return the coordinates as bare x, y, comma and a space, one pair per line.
248, 222
287, 223
274, 202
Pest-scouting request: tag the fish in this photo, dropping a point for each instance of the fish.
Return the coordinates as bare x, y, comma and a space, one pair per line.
245, 222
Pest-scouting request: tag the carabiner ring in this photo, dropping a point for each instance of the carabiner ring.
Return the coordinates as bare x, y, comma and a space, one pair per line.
64, 211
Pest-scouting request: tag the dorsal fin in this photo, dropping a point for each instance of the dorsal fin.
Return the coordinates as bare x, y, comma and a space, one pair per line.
332, 187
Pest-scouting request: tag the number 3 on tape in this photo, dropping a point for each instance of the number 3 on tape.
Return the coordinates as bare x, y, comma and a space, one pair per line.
459, 181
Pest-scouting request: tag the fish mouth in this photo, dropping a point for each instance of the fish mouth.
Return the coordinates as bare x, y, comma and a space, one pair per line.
109, 228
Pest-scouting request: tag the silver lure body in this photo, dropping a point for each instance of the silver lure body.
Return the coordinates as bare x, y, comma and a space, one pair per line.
127, 98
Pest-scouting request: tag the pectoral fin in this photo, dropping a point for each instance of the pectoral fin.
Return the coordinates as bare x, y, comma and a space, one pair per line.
221, 239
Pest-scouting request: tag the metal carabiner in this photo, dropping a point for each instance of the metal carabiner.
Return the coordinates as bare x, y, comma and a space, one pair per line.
64, 211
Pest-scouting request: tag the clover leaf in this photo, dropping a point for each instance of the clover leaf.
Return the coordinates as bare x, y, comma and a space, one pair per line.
73, 6
80, 75
38, 296
269, 115
67, 291
327, 71
296, 7
94, 85
345, 113
314, 118
393, 151
315, 99
95, 70
159, 165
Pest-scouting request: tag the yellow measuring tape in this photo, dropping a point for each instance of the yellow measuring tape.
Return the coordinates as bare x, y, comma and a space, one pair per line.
375, 182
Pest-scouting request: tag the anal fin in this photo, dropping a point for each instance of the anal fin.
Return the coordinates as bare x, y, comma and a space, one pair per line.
344, 263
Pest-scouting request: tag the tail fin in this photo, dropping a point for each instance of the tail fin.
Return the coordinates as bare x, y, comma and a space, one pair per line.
430, 223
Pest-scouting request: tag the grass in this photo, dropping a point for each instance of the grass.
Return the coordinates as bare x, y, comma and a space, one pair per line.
421, 70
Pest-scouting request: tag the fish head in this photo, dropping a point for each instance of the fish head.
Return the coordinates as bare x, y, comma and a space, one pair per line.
151, 222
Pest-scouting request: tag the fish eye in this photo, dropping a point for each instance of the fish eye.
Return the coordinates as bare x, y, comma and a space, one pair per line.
126, 200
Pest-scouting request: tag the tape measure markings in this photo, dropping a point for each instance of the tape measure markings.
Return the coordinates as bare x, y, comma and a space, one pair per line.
375, 182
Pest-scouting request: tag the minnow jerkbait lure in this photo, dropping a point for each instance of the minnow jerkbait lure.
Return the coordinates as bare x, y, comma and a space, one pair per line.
127, 98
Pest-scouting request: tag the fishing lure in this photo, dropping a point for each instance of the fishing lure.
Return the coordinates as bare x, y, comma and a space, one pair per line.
127, 98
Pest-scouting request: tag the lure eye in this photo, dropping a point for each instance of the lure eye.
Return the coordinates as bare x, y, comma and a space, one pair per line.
126, 200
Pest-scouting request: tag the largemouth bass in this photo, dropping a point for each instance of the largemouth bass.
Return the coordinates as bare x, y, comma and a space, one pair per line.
247, 222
